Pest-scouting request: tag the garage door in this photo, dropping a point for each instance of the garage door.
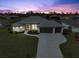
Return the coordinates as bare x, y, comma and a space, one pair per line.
46, 30
58, 30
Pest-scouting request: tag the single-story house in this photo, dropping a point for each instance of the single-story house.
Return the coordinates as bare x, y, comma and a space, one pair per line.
2, 24
72, 23
38, 23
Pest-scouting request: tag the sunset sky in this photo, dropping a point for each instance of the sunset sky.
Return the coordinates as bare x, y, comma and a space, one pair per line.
41, 5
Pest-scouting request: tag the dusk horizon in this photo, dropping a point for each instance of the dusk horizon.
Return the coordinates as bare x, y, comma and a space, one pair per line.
58, 6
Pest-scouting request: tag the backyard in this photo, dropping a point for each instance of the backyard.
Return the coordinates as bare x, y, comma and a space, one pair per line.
70, 49
17, 45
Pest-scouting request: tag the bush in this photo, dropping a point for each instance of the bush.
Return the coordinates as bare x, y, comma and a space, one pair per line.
66, 31
77, 35
33, 32
18, 32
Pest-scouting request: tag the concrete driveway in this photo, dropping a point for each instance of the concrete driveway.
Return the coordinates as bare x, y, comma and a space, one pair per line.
48, 46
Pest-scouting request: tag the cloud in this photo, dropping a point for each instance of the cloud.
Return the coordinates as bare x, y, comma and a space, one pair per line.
62, 8
41, 5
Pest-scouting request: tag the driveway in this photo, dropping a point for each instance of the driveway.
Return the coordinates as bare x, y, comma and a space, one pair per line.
48, 46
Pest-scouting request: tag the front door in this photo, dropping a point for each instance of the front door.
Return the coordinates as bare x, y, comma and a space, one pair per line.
27, 27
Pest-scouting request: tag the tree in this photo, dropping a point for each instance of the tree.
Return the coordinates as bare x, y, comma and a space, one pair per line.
30, 12
76, 13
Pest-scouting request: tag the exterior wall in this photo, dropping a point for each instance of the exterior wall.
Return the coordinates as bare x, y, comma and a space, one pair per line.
31, 27
19, 29
62, 30
27, 27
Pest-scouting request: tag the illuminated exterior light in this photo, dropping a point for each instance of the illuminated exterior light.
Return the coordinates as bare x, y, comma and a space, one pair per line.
21, 27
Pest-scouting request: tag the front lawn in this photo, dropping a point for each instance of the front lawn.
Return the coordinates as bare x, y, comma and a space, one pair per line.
17, 45
70, 49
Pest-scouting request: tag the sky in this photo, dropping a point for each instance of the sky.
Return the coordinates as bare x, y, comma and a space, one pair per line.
41, 5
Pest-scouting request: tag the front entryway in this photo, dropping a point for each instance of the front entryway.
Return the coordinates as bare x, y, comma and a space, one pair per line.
31, 27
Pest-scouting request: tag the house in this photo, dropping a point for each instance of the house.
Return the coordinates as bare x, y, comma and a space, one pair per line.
38, 23
73, 23
2, 24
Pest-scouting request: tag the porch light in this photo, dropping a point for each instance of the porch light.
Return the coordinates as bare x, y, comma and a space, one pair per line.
21, 27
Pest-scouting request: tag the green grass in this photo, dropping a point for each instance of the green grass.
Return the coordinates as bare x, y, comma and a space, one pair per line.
70, 49
17, 45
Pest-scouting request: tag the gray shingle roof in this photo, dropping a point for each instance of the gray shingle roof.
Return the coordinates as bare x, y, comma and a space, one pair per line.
33, 19
72, 22
51, 23
37, 19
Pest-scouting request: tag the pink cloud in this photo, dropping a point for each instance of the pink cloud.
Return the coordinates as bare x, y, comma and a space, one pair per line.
66, 8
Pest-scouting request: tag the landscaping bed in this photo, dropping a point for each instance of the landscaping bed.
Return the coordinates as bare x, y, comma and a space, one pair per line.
35, 32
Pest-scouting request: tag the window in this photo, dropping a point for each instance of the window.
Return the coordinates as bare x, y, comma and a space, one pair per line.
34, 27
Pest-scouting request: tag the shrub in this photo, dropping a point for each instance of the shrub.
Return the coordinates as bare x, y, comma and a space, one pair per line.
18, 32
33, 32
66, 31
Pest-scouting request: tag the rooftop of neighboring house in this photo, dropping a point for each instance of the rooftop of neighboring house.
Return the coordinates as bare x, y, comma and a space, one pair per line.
74, 21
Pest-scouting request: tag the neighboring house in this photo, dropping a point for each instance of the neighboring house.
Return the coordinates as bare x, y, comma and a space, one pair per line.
38, 23
2, 24
73, 23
